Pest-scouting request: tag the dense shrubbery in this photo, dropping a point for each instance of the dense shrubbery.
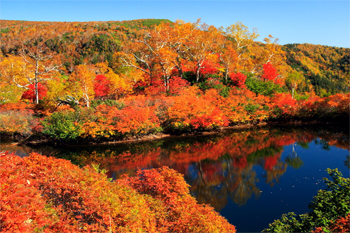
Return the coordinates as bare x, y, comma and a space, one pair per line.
62, 125
188, 111
18, 119
47, 194
330, 210
263, 88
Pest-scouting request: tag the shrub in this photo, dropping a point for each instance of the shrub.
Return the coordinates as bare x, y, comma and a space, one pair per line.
238, 79
190, 110
47, 194
17, 119
136, 118
62, 125
180, 210
284, 104
266, 88
244, 106
137, 121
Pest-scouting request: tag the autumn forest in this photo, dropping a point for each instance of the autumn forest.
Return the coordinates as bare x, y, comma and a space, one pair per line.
66, 83
111, 79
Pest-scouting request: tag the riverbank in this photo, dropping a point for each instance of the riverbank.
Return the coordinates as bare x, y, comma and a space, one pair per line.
38, 140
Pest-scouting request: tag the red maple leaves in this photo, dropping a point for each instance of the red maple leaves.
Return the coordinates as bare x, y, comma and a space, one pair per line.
30, 94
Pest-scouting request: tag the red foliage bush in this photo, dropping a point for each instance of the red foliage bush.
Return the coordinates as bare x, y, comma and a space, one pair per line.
177, 84
342, 224
30, 94
215, 118
209, 67
156, 88
15, 106
238, 79
190, 110
21, 208
269, 72
136, 118
330, 106
101, 86
285, 103
139, 87
47, 194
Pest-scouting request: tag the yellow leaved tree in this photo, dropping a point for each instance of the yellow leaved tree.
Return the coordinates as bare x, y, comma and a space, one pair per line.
81, 83
15, 77
118, 85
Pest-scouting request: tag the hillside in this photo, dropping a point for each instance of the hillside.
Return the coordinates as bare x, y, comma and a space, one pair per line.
325, 67
110, 81
77, 41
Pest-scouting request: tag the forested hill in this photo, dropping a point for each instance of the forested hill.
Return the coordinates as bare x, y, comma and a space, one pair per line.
325, 67
79, 42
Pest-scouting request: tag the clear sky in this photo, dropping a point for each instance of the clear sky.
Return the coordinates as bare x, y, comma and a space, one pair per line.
325, 22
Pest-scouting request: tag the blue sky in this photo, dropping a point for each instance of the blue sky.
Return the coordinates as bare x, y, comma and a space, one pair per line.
302, 21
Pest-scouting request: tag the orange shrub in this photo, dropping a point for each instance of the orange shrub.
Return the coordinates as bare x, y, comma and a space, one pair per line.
244, 106
18, 121
332, 106
284, 104
15, 106
47, 194
181, 210
341, 225
135, 120
189, 109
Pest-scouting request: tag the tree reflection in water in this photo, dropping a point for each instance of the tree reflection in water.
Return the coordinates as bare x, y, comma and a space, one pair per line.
217, 181
246, 186
218, 168
293, 160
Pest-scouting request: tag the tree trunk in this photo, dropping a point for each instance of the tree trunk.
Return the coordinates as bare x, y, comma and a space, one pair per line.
36, 83
166, 83
87, 100
179, 68
36, 92
197, 74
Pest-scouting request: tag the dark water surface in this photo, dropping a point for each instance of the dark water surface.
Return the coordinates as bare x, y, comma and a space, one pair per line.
251, 176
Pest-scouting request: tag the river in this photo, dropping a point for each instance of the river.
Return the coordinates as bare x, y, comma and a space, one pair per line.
250, 176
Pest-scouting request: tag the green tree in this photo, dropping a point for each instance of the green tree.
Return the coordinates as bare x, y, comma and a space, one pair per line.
261, 87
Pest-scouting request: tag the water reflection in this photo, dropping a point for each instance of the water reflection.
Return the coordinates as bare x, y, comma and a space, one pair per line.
218, 168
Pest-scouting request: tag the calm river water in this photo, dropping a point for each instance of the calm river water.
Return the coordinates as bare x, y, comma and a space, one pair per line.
250, 176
